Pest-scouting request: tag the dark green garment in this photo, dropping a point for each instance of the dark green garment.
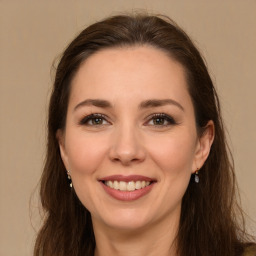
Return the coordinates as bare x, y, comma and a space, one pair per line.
250, 251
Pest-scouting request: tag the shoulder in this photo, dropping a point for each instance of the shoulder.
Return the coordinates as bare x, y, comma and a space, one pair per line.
250, 250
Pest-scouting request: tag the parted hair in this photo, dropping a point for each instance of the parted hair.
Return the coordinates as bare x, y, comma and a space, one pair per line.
211, 222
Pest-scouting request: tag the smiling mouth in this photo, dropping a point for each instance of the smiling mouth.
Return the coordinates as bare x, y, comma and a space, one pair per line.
127, 186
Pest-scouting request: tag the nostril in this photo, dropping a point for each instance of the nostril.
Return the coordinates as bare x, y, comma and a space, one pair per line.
127, 151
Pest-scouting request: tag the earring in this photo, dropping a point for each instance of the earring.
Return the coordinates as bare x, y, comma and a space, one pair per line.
196, 176
69, 177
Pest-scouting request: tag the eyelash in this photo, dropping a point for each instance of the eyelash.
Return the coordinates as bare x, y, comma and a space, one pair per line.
91, 117
170, 120
160, 116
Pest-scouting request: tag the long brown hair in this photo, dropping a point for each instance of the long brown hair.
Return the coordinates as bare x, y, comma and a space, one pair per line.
211, 220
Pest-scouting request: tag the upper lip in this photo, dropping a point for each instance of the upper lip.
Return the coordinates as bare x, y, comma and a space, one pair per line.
127, 178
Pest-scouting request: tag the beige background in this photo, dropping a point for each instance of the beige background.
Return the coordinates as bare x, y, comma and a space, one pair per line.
33, 34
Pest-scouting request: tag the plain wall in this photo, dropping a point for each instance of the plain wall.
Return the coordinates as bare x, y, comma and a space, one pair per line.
34, 33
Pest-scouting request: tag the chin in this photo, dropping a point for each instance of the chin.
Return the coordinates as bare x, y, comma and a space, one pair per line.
126, 220
128, 226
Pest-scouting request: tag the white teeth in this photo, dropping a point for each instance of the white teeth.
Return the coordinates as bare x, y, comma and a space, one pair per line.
122, 186
115, 185
131, 186
127, 186
138, 185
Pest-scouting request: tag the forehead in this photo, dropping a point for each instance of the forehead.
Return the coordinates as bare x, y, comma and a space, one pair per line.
142, 71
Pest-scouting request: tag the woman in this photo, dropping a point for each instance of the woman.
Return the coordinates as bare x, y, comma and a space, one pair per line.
137, 160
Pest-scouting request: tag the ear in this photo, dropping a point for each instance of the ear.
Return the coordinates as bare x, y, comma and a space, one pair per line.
203, 146
60, 135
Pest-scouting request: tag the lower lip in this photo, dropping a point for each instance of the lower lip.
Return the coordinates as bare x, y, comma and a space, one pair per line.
127, 195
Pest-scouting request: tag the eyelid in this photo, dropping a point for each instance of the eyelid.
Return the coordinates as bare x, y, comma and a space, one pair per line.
167, 117
89, 117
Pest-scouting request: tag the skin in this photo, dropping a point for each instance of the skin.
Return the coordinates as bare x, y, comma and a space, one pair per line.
127, 140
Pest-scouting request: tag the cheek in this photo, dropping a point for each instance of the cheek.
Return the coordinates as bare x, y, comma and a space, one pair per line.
86, 155
174, 154
85, 152
173, 159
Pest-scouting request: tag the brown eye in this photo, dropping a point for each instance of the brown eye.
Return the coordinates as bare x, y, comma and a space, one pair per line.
161, 120
97, 121
94, 120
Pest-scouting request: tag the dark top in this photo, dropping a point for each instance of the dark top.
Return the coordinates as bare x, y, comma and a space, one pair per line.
250, 251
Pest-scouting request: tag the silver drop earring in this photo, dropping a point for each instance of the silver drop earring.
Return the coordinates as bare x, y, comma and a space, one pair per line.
196, 176
69, 177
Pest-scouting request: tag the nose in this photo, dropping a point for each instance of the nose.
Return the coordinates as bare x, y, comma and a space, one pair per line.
127, 146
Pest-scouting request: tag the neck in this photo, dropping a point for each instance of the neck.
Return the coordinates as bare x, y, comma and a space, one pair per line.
157, 239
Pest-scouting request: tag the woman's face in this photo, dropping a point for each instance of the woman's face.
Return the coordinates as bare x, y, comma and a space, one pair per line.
130, 141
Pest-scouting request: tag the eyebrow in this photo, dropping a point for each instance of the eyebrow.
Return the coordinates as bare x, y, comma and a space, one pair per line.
158, 103
94, 102
145, 104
